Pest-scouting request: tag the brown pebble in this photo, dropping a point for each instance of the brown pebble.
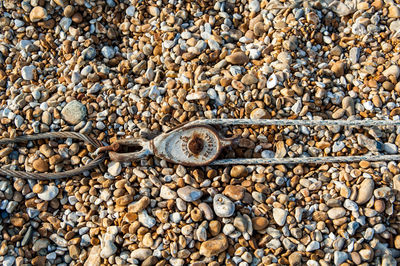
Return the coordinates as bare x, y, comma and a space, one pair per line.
338, 68
295, 259
239, 171
40, 165
215, 227
260, 223
237, 58
69, 11
355, 257
38, 261
37, 188
74, 251
214, 246
397, 242
379, 205
77, 18
364, 164
18, 222
37, 13
234, 192
124, 200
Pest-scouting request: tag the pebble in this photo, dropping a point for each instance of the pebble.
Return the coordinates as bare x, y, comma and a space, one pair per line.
223, 207
40, 165
94, 256
27, 72
74, 112
336, 213
108, 52
139, 205
280, 149
339, 257
390, 148
234, 192
249, 79
130, 11
58, 240
89, 53
146, 219
272, 81
37, 13
141, 253
108, 247
167, 193
295, 259
189, 194
39, 244
354, 54
114, 168
8, 261
237, 58
393, 70
365, 192
65, 23
279, 216
214, 246
314, 245
394, 12
259, 113
338, 68
49, 193
260, 223
238, 171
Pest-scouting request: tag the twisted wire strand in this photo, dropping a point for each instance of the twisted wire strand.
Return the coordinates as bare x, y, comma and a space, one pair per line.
308, 160
53, 176
287, 122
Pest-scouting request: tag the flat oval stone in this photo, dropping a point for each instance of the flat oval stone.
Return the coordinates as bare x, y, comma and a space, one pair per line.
37, 13
189, 194
214, 246
206, 209
223, 207
365, 191
234, 192
49, 193
280, 216
141, 253
238, 58
260, 223
336, 213
167, 193
41, 165
74, 112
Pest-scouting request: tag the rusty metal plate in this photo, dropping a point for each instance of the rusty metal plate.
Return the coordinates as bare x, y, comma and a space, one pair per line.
190, 145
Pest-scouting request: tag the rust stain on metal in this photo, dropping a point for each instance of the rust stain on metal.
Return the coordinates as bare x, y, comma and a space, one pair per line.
196, 144
188, 145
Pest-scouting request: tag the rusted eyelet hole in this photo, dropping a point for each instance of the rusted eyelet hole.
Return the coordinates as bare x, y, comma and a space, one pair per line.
195, 145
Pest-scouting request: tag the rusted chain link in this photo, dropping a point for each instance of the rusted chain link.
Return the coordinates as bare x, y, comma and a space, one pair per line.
51, 176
